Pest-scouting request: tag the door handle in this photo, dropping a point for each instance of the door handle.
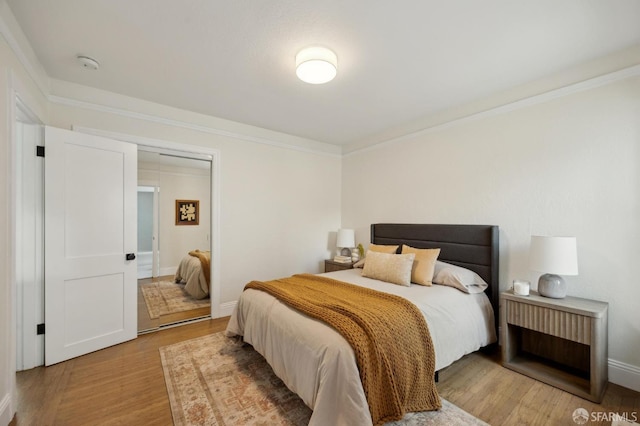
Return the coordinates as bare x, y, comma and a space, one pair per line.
131, 256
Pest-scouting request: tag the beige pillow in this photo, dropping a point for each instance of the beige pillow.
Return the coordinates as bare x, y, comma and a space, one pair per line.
392, 268
383, 249
424, 264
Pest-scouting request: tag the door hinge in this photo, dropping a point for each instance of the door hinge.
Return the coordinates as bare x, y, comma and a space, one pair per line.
40, 151
40, 329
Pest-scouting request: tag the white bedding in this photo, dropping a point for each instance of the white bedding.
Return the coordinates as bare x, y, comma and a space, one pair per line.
191, 274
318, 364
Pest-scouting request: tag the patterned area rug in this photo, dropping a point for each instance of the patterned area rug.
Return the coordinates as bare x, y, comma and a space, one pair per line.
165, 297
215, 380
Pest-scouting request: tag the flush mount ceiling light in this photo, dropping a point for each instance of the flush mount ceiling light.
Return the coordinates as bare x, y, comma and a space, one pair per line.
316, 65
88, 62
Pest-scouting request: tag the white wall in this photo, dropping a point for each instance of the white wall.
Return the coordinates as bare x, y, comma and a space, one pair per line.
7, 405
569, 166
145, 220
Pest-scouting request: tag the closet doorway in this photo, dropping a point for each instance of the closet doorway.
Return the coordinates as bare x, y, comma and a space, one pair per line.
172, 253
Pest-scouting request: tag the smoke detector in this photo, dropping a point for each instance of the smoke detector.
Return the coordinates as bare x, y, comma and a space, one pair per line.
88, 62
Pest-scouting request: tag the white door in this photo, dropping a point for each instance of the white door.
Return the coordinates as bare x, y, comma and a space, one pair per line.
90, 227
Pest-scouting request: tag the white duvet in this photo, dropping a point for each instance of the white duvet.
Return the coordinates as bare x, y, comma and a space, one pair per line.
318, 364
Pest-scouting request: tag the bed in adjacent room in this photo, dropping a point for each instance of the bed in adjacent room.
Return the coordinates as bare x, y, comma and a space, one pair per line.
318, 363
194, 272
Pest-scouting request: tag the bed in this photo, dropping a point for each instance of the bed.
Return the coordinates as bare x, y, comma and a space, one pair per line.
318, 364
194, 272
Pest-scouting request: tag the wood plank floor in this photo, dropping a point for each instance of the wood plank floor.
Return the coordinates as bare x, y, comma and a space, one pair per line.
124, 385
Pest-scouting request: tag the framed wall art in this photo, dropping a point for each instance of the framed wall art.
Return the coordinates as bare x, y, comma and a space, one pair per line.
187, 212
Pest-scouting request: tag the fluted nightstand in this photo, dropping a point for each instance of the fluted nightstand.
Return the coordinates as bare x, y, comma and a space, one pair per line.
562, 342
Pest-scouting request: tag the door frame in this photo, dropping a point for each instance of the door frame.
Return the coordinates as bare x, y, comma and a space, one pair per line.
29, 306
19, 98
192, 151
155, 248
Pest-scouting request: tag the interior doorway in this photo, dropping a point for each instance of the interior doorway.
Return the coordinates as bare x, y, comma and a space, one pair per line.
148, 238
164, 244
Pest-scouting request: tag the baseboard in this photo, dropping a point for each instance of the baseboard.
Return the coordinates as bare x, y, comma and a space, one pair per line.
144, 273
625, 375
226, 309
5, 410
171, 270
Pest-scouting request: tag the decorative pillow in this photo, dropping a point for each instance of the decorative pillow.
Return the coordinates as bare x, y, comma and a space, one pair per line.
392, 268
383, 249
359, 263
423, 265
458, 277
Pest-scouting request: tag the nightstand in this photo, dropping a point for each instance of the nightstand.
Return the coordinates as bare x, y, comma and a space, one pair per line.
561, 342
330, 266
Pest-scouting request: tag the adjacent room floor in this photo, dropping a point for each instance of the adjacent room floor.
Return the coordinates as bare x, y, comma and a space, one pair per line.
147, 323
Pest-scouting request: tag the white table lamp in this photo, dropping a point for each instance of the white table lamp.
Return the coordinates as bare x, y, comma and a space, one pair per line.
554, 256
346, 241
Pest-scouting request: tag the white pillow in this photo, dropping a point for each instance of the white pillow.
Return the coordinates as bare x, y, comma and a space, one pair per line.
391, 268
359, 263
458, 277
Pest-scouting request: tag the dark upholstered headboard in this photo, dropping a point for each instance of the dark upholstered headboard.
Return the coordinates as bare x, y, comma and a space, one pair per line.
474, 247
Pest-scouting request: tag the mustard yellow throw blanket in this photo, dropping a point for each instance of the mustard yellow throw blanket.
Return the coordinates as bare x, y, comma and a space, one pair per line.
388, 334
205, 261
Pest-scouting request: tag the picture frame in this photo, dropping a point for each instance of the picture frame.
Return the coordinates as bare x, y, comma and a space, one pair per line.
187, 212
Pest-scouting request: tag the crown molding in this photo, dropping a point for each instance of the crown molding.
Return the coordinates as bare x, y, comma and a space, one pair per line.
591, 83
60, 100
32, 66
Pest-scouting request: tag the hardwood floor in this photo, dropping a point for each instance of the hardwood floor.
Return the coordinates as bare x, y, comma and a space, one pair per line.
124, 385
120, 385
481, 386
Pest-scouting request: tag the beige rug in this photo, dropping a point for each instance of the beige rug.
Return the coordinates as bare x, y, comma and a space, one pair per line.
165, 297
214, 380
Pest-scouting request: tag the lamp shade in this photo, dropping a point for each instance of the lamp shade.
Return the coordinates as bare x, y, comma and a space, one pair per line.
346, 238
553, 255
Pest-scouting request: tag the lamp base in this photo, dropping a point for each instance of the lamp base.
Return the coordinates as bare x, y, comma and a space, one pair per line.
345, 252
553, 286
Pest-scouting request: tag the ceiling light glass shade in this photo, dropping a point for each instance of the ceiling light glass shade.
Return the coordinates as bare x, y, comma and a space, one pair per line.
316, 65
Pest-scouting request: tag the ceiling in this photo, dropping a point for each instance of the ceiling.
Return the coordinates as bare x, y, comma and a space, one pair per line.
398, 61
